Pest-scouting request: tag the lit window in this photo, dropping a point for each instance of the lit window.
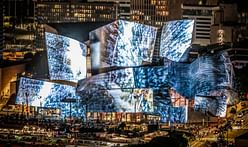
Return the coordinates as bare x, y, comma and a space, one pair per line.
153, 2
57, 6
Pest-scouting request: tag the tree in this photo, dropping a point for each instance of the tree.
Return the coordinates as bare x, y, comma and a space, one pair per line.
233, 110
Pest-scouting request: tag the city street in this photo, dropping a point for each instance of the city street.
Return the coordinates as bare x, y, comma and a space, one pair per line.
229, 135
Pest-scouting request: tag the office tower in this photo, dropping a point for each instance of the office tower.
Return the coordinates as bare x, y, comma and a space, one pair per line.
1, 26
204, 18
201, 2
19, 9
18, 28
150, 12
70, 12
123, 7
231, 27
243, 19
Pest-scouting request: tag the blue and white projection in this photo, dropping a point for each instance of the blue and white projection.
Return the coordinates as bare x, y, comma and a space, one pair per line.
216, 106
209, 75
122, 44
47, 94
124, 77
176, 38
66, 58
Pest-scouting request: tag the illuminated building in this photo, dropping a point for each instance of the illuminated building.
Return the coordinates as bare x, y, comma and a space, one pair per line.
223, 27
50, 12
8, 79
123, 8
18, 9
1, 26
18, 29
122, 117
204, 18
157, 11
241, 55
222, 24
230, 27
66, 58
70, 12
150, 12
133, 90
171, 89
200, 2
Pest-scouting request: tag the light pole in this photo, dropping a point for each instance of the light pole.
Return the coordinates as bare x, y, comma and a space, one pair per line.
27, 109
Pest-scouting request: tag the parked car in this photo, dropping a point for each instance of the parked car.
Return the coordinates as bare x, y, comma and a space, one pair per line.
240, 114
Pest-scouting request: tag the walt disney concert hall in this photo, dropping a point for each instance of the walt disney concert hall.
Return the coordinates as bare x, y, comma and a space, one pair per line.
136, 70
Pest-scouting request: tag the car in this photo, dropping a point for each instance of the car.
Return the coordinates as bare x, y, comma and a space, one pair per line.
238, 123
240, 114
216, 131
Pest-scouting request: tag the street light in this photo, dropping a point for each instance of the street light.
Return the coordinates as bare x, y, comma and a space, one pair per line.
27, 103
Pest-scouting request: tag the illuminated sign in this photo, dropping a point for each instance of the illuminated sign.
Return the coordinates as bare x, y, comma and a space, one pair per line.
220, 38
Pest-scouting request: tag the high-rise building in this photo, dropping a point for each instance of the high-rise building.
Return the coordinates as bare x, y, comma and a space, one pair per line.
155, 9
123, 7
243, 19
222, 31
200, 2
204, 18
1, 26
18, 26
71, 12
220, 23
231, 27
19, 9
150, 12
50, 12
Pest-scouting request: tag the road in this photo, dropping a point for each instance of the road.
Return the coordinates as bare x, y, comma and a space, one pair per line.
237, 132
201, 142
230, 135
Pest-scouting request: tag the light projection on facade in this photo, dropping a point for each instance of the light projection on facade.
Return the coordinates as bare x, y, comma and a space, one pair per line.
209, 75
212, 74
40, 93
124, 77
116, 79
128, 78
214, 105
177, 100
154, 77
118, 100
122, 44
176, 38
66, 58
173, 114
204, 76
